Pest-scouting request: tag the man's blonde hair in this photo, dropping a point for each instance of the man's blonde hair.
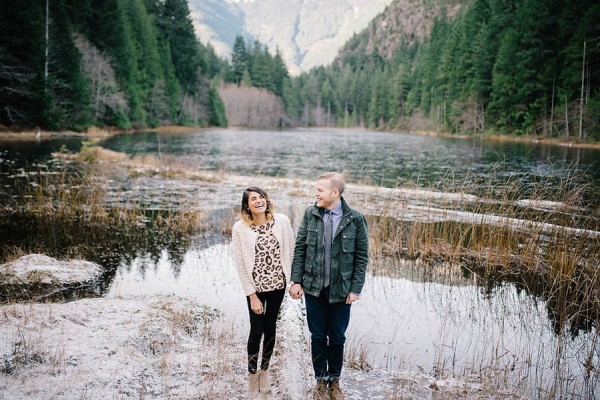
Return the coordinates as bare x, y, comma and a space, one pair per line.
335, 179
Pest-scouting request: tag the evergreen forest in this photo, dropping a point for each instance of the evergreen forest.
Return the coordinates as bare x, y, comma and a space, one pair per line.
72, 64
505, 66
524, 67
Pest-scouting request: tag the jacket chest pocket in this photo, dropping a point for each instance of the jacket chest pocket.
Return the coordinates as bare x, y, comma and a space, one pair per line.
348, 238
312, 235
348, 243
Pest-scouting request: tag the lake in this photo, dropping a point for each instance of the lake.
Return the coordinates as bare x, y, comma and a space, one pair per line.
442, 321
387, 159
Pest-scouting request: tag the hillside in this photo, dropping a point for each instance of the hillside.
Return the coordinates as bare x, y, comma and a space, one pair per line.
401, 23
68, 65
476, 67
217, 22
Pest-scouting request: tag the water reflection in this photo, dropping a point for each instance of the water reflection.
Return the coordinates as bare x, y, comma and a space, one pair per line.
409, 318
388, 159
207, 275
107, 245
405, 320
15, 154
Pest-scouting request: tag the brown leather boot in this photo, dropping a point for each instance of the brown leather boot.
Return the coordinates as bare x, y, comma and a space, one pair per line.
336, 392
320, 392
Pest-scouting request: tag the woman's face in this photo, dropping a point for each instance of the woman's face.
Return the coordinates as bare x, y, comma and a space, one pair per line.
257, 204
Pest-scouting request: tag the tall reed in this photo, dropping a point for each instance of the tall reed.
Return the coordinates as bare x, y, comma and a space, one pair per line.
77, 191
548, 242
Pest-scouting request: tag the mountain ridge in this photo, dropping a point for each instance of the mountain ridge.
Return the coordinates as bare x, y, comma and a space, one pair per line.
403, 22
308, 33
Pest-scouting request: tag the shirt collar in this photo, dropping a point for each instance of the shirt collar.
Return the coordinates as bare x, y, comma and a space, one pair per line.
337, 210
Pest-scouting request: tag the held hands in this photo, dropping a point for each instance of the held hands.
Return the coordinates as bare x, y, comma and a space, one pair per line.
296, 291
351, 298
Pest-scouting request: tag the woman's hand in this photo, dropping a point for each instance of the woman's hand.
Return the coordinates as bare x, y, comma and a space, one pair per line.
255, 304
351, 298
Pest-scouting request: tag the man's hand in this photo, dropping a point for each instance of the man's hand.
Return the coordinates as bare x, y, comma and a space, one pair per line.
296, 291
352, 298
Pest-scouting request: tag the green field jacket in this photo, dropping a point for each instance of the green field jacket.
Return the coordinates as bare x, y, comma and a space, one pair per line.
349, 254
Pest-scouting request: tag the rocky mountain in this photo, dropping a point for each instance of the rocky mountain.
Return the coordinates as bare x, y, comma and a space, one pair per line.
308, 32
218, 22
402, 22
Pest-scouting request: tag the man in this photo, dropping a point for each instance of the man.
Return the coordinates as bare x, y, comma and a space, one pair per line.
330, 261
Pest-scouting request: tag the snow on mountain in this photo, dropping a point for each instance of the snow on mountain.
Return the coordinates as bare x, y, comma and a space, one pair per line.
308, 32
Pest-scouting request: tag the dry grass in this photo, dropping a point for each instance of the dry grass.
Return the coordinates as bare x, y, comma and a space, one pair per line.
77, 191
548, 244
146, 348
13, 253
358, 354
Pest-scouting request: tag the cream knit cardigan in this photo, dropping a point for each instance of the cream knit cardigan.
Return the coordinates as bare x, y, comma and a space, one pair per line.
243, 241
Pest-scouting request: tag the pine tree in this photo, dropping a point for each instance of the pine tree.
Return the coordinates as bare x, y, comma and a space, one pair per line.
279, 73
67, 98
176, 26
217, 109
22, 83
259, 66
239, 59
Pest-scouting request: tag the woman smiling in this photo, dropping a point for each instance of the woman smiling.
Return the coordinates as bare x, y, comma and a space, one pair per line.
263, 248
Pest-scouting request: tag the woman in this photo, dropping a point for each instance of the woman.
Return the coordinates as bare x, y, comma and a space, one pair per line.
263, 248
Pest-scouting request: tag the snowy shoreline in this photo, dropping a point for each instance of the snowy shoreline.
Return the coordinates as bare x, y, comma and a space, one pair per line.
157, 347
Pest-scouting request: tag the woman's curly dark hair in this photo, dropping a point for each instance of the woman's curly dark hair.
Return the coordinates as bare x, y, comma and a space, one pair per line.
246, 214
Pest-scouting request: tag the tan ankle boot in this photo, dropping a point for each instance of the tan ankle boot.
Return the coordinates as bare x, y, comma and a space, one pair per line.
264, 382
336, 392
253, 383
320, 391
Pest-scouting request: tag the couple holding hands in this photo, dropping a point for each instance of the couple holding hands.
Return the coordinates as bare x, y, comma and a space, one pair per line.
326, 263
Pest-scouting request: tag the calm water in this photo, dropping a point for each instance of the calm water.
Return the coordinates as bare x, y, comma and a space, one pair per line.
406, 319
388, 159
382, 158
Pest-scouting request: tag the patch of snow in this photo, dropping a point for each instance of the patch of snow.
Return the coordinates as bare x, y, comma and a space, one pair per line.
157, 347
542, 204
41, 269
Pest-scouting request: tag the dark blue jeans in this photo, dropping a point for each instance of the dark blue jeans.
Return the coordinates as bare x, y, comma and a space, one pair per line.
327, 324
263, 327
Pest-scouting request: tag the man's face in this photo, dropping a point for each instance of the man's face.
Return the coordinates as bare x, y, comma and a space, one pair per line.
327, 196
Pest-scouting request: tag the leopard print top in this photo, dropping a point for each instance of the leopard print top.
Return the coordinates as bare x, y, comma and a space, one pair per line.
268, 272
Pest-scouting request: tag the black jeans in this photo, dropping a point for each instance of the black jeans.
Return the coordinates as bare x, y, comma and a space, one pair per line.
263, 326
327, 323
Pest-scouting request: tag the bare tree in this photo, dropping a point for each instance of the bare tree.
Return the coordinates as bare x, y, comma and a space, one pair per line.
106, 93
566, 117
193, 106
15, 82
469, 115
581, 104
252, 107
158, 109
47, 43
